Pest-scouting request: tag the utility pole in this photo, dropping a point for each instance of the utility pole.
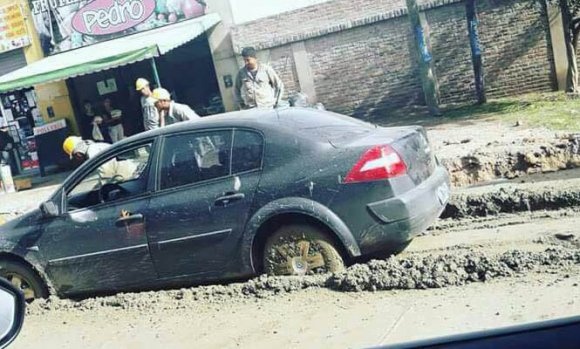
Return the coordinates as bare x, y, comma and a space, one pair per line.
155, 72
420, 30
472, 27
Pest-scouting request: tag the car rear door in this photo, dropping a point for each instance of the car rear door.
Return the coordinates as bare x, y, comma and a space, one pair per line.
206, 186
101, 245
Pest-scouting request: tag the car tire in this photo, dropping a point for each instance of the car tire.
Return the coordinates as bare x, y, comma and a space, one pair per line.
24, 278
299, 250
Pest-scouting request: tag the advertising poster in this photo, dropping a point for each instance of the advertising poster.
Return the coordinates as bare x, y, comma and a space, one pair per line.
13, 32
68, 24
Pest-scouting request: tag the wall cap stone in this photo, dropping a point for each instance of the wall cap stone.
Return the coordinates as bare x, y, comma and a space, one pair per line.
239, 41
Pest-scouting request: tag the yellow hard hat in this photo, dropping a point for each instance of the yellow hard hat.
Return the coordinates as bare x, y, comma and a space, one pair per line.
161, 94
70, 144
141, 84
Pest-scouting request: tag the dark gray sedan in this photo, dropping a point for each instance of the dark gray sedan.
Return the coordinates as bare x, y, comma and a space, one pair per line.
290, 191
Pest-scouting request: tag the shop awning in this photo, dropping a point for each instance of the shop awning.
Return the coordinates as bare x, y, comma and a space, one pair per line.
108, 54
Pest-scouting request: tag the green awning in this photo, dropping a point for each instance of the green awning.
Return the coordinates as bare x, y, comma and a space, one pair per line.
108, 54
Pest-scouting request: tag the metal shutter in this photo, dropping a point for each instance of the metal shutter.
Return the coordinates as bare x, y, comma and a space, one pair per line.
12, 60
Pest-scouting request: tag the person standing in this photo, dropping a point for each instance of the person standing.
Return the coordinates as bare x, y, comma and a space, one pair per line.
6, 146
150, 113
257, 84
94, 121
171, 112
113, 119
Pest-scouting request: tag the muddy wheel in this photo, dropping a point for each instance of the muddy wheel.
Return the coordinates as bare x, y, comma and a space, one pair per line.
24, 279
300, 250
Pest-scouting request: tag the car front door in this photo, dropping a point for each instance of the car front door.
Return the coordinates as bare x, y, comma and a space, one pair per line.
199, 212
99, 243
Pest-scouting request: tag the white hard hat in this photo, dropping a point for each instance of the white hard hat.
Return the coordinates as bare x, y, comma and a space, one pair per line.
161, 94
141, 83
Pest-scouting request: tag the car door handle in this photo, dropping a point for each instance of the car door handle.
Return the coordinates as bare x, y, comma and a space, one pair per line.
138, 217
229, 198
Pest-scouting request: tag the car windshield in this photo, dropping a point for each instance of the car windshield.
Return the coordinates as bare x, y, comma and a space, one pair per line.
291, 173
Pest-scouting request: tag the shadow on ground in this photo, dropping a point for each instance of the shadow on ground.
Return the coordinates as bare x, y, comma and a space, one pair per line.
456, 114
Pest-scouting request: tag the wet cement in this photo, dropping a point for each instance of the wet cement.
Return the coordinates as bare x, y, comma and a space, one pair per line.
409, 272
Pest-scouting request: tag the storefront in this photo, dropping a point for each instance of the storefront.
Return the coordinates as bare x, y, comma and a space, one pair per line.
100, 57
19, 113
186, 71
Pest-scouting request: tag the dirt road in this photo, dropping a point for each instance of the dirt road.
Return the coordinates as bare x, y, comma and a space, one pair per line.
322, 316
500, 259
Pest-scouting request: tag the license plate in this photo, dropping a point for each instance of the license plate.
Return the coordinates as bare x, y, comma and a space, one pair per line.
443, 193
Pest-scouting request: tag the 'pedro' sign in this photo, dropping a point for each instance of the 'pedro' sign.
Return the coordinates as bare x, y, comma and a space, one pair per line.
102, 17
68, 24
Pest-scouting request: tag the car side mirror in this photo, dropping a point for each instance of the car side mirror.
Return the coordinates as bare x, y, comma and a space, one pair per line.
49, 209
12, 309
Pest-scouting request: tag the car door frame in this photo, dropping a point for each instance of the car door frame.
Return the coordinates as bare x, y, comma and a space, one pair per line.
154, 244
85, 170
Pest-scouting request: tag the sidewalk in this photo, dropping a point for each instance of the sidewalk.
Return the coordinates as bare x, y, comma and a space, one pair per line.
20, 202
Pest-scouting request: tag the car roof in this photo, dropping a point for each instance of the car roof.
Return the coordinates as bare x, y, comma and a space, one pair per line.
244, 118
289, 120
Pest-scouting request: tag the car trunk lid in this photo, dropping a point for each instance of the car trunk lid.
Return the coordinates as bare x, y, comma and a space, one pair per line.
411, 144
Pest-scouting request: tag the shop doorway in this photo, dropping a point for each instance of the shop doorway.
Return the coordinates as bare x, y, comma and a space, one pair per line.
187, 72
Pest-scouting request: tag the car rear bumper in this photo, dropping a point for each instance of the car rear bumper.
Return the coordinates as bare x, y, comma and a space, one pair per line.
403, 217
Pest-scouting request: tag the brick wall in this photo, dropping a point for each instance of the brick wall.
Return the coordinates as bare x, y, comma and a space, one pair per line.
365, 66
282, 60
367, 70
313, 21
452, 53
516, 50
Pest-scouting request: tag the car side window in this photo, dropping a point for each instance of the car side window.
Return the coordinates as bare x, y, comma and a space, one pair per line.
195, 157
247, 151
119, 177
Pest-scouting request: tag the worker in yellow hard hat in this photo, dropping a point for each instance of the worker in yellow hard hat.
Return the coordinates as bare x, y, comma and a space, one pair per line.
150, 113
171, 112
112, 171
81, 150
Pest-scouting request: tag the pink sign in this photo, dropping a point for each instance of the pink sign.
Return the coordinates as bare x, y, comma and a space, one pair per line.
103, 17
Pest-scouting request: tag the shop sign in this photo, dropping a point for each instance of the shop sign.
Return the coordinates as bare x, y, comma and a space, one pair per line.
53, 126
13, 32
68, 24
102, 17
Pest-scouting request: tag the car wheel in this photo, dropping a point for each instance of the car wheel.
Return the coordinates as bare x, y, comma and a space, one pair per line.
301, 249
24, 278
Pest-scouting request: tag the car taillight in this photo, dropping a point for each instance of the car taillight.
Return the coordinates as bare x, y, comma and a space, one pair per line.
379, 162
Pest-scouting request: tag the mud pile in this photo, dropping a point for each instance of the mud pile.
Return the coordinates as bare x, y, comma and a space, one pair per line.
412, 272
510, 159
510, 199
446, 270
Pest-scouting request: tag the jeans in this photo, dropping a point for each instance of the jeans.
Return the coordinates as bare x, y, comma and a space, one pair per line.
117, 133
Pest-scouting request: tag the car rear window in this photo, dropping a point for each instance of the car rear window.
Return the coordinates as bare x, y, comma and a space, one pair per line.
195, 157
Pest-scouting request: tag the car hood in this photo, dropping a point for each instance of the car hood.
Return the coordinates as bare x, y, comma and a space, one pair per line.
18, 228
